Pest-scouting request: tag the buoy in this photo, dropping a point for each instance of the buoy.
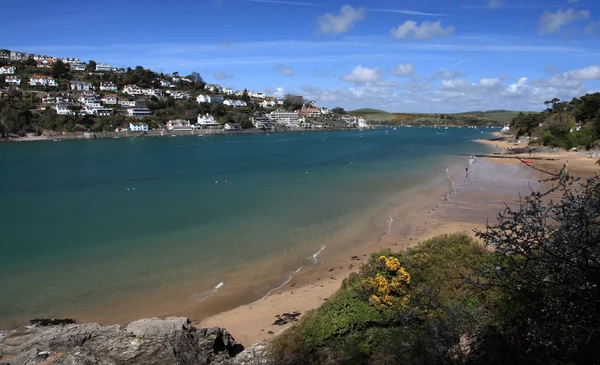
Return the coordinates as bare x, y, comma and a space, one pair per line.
350, 163
127, 189
225, 180
133, 189
216, 182
307, 172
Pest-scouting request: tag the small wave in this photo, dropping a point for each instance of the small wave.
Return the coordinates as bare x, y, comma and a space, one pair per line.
285, 282
389, 223
202, 296
314, 255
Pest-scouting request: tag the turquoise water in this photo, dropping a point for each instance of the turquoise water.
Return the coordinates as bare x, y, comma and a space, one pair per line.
101, 223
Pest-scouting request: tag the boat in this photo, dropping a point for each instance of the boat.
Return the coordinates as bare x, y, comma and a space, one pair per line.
527, 161
57, 140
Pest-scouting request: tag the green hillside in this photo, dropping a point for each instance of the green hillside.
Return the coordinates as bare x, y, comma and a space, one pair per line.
503, 116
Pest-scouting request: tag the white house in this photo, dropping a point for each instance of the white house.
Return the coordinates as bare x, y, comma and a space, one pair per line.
70, 60
203, 99
7, 70
206, 120
232, 127
235, 103
44, 63
127, 102
164, 83
267, 103
179, 125
41, 80
81, 86
239, 93
139, 112
152, 92
109, 99
132, 90
63, 109
12, 79
103, 67
228, 91
138, 127
180, 95
259, 95
77, 66
108, 86
213, 88
284, 117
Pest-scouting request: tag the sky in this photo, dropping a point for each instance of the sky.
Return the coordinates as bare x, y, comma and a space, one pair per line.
419, 56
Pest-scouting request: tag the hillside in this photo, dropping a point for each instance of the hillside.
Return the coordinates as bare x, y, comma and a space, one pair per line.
490, 118
503, 116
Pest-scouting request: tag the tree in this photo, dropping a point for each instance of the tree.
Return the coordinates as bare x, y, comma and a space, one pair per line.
293, 102
59, 69
546, 271
338, 111
246, 96
197, 79
91, 67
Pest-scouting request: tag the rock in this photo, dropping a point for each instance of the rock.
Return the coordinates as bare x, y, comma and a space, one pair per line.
50, 322
149, 341
254, 355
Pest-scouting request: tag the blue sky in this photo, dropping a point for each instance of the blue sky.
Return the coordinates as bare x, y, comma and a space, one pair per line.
426, 56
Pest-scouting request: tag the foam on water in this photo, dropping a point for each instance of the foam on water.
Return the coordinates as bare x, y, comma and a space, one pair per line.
314, 255
202, 296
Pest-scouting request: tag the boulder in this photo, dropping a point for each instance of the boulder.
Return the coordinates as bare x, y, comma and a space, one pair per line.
149, 341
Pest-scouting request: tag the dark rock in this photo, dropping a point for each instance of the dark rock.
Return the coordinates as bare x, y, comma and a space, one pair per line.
149, 341
50, 322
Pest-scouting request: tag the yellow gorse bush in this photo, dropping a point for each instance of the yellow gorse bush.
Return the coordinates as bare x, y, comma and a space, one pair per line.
388, 289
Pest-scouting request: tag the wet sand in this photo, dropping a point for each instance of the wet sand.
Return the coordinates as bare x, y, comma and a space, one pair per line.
432, 209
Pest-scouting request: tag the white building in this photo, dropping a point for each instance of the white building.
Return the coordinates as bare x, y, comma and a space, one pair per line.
69, 60
259, 95
284, 117
109, 99
232, 127
63, 109
41, 80
206, 120
103, 67
152, 92
267, 103
213, 88
179, 125
81, 86
127, 102
228, 91
180, 95
203, 99
138, 127
139, 112
132, 90
13, 79
108, 86
77, 66
7, 70
164, 83
234, 103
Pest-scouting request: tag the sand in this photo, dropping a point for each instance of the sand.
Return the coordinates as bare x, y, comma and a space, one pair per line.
433, 210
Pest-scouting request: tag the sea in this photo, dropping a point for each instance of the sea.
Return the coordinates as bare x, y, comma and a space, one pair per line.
151, 225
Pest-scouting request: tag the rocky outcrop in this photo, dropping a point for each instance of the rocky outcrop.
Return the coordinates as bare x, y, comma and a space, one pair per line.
173, 340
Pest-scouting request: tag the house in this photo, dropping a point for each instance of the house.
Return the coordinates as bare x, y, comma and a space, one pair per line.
138, 127
77, 66
63, 109
164, 83
203, 99
179, 125
325, 111
8, 70
239, 93
18, 56
262, 122
180, 95
48, 99
176, 79
97, 110
153, 92
267, 103
279, 101
109, 99
127, 102
70, 60
284, 117
259, 95
228, 91
45, 64
108, 86
206, 120
4, 53
213, 88
232, 127
234, 103
309, 112
132, 90
41, 80
13, 79
139, 112
312, 104
103, 67
81, 86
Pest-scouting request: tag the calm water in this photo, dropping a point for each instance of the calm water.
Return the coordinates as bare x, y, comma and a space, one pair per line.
87, 224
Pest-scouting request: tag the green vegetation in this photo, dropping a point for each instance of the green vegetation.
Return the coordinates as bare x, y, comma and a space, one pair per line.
501, 116
530, 297
487, 119
563, 124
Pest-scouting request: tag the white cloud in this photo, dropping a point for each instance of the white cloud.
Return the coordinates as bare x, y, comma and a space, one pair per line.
331, 23
222, 75
285, 70
587, 73
406, 12
553, 22
495, 4
363, 75
277, 92
489, 83
405, 69
426, 30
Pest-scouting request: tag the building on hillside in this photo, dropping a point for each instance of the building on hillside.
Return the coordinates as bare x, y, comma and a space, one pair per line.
213, 88
127, 102
325, 111
69, 60
109, 99
8, 70
279, 101
290, 119
81, 86
312, 104
63, 109
18, 56
259, 95
103, 67
4, 54
239, 93
234, 103
45, 64
99, 111
138, 127
180, 95
132, 90
203, 99
228, 91
41, 80
269, 103
77, 66
165, 83
206, 120
309, 112
179, 125
232, 127
217, 99
261, 121
12, 79
139, 112
108, 86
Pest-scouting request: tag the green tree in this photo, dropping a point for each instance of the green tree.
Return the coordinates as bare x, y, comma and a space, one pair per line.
59, 70
246, 96
338, 111
293, 102
91, 67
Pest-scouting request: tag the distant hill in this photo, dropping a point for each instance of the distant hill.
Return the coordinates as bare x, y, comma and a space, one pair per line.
503, 116
488, 118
